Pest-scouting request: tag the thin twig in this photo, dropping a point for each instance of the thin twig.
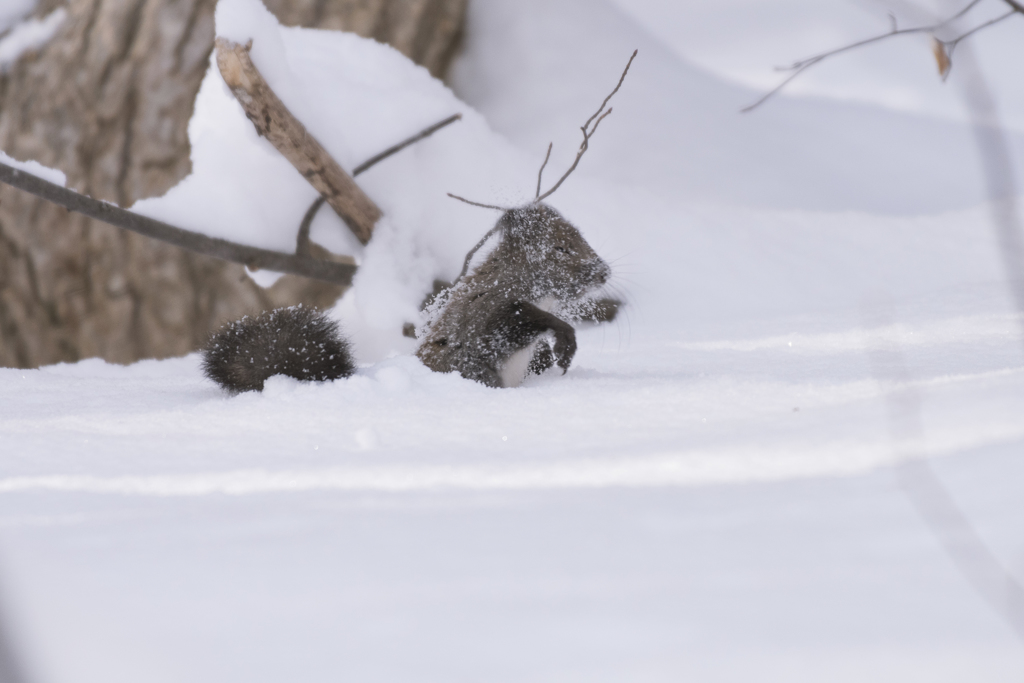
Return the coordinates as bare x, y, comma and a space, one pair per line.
484, 206
426, 132
596, 119
301, 263
472, 252
950, 45
893, 32
599, 115
780, 86
253, 257
612, 93
540, 173
302, 239
598, 122
802, 65
307, 219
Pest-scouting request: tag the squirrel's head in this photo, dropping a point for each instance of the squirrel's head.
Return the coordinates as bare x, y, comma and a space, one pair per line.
551, 252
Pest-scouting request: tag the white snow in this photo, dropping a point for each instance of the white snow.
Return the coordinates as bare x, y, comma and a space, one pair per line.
13, 10
36, 169
814, 294
30, 34
745, 40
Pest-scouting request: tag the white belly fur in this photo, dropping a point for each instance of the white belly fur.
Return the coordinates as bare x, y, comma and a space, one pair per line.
513, 371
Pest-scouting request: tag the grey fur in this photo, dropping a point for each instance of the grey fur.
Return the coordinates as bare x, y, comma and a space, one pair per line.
499, 309
298, 342
504, 311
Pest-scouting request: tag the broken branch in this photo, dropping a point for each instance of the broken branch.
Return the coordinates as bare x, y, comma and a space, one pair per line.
280, 127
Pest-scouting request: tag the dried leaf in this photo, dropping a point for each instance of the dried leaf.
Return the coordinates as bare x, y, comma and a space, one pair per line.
941, 57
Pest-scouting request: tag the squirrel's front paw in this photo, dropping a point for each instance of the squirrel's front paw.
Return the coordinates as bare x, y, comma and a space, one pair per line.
565, 347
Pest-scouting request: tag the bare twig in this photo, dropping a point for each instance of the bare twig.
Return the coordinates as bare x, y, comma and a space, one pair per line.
764, 98
588, 132
302, 241
612, 93
484, 206
301, 263
253, 257
426, 132
802, 65
596, 118
472, 252
950, 45
894, 31
540, 173
280, 127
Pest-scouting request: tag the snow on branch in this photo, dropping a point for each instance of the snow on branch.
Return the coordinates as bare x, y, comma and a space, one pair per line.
300, 263
253, 257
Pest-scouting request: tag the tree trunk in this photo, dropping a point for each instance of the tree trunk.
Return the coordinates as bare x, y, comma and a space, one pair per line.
425, 31
107, 101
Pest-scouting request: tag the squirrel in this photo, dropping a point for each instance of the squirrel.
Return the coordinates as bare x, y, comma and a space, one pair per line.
298, 342
496, 326
491, 326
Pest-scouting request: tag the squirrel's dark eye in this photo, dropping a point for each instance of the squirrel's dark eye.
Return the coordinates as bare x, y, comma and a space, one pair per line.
562, 250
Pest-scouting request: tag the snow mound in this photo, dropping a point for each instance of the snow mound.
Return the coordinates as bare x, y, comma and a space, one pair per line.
357, 97
534, 67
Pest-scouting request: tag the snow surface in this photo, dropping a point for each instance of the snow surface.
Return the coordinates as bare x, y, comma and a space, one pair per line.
745, 40
708, 494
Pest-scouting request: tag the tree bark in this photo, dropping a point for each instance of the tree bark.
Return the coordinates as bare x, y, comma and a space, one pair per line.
107, 101
425, 31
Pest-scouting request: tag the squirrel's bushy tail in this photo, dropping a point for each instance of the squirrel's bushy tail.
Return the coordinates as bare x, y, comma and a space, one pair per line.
298, 342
